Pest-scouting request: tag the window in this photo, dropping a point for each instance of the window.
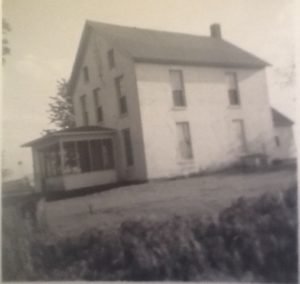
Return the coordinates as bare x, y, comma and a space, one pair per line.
51, 161
84, 156
177, 88
70, 158
86, 74
233, 93
184, 141
128, 146
98, 59
88, 155
97, 159
119, 84
107, 154
98, 107
277, 141
111, 59
85, 117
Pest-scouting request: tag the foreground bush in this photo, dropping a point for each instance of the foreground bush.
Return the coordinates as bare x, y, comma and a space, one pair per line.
252, 240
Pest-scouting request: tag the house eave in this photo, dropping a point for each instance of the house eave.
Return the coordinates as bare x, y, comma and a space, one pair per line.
199, 63
57, 135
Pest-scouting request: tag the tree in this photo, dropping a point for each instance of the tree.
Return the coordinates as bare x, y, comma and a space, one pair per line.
5, 47
61, 112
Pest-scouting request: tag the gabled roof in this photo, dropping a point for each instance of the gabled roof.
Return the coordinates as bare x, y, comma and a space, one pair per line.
170, 47
154, 46
280, 120
75, 130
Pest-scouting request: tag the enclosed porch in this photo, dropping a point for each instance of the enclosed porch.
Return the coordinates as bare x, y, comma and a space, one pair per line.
76, 158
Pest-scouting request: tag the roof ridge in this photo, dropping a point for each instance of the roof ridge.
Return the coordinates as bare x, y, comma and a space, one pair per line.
91, 22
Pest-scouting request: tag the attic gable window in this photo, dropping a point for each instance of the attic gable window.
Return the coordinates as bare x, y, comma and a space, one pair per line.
85, 71
177, 85
232, 88
111, 59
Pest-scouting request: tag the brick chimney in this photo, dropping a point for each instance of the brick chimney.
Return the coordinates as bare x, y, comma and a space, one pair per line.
215, 31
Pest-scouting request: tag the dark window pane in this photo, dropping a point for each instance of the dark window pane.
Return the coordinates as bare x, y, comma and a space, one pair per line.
277, 141
96, 157
234, 97
123, 105
84, 156
111, 59
99, 114
108, 155
178, 97
85, 117
86, 74
128, 147
70, 158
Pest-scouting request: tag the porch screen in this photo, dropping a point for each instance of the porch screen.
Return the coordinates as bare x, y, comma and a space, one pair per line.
84, 156
88, 155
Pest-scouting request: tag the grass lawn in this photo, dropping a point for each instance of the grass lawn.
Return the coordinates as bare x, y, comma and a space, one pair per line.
204, 196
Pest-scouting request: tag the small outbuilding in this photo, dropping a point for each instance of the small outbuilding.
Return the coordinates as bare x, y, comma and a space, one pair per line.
284, 138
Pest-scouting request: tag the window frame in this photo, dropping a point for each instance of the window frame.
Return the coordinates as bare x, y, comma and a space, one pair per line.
98, 106
182, 96
127, 142
121, 94
86, 75
111, 58
234, 96
84, 111
189, 155
93, 162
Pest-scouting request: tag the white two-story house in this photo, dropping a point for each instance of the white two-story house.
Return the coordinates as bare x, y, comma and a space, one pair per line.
152, 104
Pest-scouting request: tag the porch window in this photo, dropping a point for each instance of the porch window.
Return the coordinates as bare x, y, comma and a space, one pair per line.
107, 152
88, 155
97, 157
70, 158
84, 156
50, 161
177, 88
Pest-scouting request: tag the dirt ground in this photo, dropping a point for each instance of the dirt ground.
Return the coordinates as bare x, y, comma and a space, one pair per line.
204, 196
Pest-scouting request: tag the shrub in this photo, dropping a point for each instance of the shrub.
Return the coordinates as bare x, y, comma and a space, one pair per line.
252, 240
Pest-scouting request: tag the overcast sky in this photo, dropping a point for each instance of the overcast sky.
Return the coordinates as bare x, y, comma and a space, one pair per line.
45, 36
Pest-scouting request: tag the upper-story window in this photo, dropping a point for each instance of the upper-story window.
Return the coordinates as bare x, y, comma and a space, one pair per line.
85, 117
98, 106
85, 71
232, 87
111, 58
119, 84
177, 88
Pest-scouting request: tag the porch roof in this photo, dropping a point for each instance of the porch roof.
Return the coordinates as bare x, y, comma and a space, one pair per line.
82, 130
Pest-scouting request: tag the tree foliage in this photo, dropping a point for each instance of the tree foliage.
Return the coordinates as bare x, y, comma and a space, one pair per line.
5, 47
61, 112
